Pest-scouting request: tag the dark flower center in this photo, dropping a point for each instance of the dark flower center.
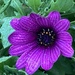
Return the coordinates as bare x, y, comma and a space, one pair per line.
46, 37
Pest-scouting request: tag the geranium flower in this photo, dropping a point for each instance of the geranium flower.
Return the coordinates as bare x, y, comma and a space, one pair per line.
39, 41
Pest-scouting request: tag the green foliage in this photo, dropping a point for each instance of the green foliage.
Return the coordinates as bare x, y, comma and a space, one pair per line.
6, 61
72, 32
10, 70
4, 8
6, 66
60, 5
63, 66
6, 30
72, 25
39, 73
16, 5
34, 4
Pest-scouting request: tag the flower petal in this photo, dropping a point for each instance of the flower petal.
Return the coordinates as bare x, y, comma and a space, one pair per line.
65, 36
21, 37
54, 54
21, 62
15, 24
34, 16
43, 22
45, 61
17, 50
62, 25
28, 24
54, 17
33, 62
65, 48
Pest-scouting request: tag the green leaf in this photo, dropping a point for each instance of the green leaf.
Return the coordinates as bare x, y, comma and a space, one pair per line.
17, 5
34, 4
67, 65
4, 51
1, 2
5, 7
12, 70
69, 15
61, 6
73, 44
18, 15
6, 61
73, 58
2, 16
3, 59
11, 10
0, 45
57, 69
45, 5
72, 32
6, 30
39, 73
64, 5
63, 66
72, 25
72, 9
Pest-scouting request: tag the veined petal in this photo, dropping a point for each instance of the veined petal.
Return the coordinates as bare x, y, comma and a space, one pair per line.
54, 54
21, 62
54, 17
45, 61
34, 16
43, 22
65, 48
28, 24
15, 24
33, 62
17, 50
62, 25
21, 37
65, 36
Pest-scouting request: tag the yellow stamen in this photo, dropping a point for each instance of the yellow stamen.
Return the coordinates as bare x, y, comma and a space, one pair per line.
46, 32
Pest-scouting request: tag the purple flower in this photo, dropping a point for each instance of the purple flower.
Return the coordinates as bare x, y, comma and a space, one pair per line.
39, 41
